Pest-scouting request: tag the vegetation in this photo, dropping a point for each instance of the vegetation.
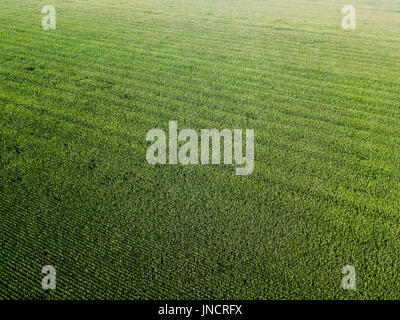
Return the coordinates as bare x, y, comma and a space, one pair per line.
77, 192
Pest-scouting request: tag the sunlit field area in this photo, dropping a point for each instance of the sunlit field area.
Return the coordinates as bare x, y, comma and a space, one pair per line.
76, 190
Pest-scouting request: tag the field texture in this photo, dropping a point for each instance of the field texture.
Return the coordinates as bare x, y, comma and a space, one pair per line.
77, 192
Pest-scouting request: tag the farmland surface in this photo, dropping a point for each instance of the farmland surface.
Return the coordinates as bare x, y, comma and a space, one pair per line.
77, 192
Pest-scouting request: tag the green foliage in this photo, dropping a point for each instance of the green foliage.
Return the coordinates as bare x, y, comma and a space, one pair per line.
76, 190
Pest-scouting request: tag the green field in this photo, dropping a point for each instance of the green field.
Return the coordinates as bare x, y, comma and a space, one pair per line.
77, 192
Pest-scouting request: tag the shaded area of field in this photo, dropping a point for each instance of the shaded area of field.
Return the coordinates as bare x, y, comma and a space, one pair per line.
77, 192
